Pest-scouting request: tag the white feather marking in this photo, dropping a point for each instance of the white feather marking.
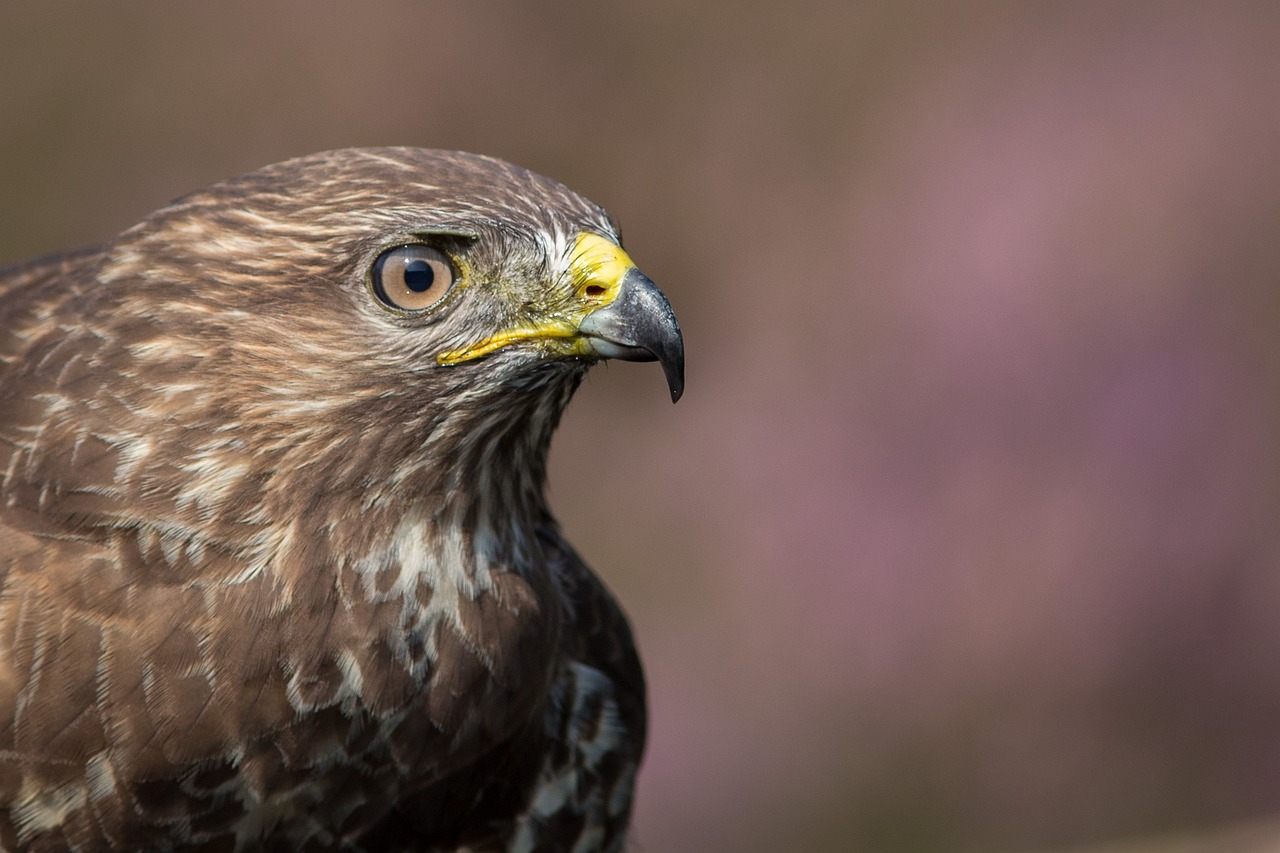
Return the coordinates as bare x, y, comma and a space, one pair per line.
352, 677
99, 777
133, 452
39, 807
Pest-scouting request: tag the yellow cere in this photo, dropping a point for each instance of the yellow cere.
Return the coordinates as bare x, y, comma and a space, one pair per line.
596, 268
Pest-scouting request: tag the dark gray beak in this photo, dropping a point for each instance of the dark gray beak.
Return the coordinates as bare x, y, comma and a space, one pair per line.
639, 325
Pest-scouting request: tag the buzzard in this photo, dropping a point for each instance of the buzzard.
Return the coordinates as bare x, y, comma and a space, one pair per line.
277, 569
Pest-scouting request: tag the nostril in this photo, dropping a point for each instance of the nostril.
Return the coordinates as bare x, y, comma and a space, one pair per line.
594, 291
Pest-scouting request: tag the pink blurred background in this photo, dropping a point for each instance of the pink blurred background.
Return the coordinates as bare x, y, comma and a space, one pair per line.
965, 534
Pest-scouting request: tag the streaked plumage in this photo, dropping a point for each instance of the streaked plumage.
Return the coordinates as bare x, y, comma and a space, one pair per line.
276, 566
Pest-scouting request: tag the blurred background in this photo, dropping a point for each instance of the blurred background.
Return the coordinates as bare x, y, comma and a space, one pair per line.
965, 535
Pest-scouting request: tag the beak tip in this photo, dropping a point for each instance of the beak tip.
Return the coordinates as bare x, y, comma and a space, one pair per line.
675, 382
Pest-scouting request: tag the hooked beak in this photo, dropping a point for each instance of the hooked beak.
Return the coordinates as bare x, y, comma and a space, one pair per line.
638, 325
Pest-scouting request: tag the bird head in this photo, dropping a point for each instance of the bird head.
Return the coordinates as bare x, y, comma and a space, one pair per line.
431, 262
392, 322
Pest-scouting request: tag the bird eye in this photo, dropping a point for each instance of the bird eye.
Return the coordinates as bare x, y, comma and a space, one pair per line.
412, 277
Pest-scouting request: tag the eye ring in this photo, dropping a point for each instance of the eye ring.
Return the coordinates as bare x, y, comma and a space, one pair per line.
412, 277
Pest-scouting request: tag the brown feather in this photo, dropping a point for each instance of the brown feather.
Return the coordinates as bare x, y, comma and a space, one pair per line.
269, 576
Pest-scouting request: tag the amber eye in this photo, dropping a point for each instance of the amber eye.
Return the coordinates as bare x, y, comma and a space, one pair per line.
412, 277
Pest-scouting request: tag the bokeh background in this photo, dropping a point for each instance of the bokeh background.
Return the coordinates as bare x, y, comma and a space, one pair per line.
965, 534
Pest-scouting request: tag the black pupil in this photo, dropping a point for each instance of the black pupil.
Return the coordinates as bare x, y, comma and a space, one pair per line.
418, 276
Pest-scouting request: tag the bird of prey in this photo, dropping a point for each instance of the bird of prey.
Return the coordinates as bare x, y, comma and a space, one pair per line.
277, 570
